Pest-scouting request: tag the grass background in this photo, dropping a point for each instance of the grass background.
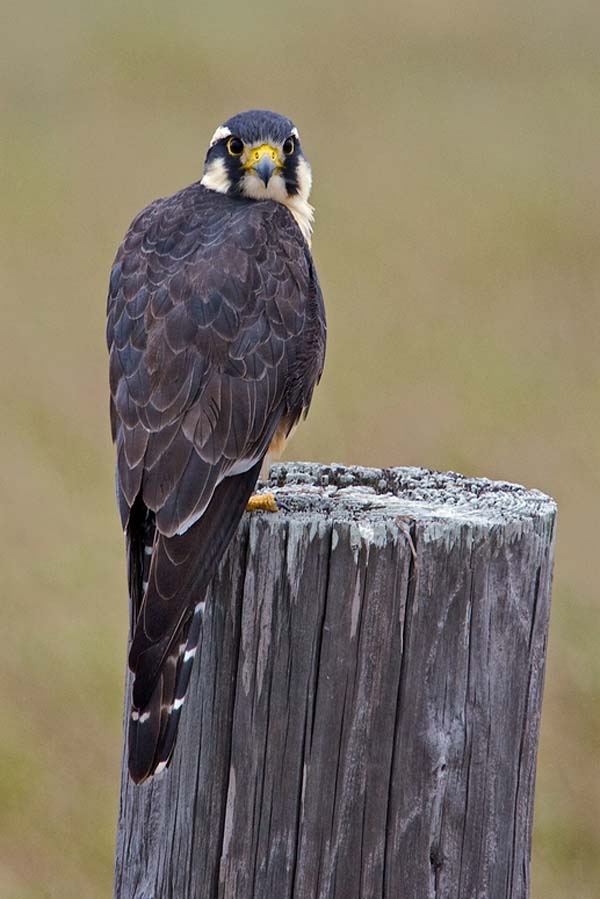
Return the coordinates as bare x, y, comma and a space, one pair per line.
456, 164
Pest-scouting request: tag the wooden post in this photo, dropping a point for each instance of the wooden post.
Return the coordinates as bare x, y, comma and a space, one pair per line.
364, 714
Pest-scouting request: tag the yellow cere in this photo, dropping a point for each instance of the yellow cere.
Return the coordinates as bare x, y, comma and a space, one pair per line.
257, 153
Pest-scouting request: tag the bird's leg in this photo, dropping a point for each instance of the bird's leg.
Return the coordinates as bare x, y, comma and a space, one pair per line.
262, 502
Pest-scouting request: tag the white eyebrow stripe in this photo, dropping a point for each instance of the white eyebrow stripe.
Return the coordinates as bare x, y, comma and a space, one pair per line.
295, 132
221, 132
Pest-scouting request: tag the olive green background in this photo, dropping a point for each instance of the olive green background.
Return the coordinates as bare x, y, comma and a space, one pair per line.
455, 150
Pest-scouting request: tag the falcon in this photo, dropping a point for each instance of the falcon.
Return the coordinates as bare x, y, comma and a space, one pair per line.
216, 338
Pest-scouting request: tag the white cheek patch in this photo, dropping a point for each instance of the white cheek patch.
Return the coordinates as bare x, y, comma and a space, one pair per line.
216, 177
304, 176
221, 132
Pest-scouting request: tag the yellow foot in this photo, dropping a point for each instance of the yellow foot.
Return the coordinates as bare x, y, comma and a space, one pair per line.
262, 502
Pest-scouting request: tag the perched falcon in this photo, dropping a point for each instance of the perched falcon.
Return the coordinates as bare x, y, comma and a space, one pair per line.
216, 334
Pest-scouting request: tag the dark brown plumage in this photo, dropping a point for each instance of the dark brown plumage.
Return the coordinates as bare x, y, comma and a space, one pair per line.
216, 334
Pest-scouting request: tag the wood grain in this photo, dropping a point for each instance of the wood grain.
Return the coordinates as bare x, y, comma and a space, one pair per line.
364, 714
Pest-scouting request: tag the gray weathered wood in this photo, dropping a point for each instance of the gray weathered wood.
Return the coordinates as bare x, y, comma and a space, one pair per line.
363, 719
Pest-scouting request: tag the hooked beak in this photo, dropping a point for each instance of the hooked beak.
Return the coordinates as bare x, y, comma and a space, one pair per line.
264, 161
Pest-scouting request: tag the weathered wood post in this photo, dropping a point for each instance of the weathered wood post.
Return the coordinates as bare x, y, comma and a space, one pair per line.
364, 713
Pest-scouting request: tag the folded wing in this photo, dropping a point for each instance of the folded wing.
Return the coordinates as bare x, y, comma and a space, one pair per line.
216, 336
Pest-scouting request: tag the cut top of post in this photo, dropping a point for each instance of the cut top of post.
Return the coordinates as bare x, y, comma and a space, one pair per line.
438, 498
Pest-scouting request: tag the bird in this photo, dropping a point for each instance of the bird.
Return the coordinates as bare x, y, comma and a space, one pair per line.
216, 336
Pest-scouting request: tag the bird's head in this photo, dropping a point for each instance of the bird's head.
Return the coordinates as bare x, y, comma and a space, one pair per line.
257, 155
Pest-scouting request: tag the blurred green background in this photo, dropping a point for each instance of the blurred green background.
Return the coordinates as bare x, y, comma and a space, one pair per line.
455, 150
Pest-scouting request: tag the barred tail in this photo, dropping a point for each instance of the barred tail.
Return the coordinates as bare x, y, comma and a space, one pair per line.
153, 729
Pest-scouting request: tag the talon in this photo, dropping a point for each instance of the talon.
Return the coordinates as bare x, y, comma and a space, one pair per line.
262, 502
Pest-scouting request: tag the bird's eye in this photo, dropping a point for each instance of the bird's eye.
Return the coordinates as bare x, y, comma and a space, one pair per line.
235, 146
289, 146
